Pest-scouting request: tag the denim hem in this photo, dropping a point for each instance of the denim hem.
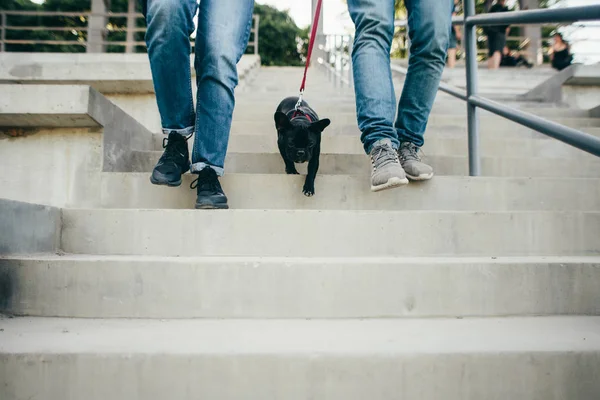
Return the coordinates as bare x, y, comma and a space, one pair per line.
197, 167
185, 131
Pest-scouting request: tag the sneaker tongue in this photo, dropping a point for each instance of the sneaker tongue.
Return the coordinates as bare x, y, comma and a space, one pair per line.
410, 152
384, 155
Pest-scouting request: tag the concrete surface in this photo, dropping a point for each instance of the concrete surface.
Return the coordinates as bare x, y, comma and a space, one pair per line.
585, 75
107, 73
75, 106
28, 228
46, 106
491, 146
262, 287
489, 129
550, 90
578, 86
453, 247
582, 96
344, 192
359, 164
552, 358
66, 162
305, 233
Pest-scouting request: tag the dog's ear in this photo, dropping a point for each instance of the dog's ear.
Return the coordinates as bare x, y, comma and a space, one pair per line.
320, 125
282, 120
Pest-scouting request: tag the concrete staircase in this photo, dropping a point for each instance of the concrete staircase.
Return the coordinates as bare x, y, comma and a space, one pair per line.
458, 288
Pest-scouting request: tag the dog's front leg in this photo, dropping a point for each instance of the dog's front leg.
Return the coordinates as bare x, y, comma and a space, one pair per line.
313, 167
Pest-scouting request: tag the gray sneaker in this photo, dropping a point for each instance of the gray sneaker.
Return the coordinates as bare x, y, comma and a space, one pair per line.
416, 169
386, 169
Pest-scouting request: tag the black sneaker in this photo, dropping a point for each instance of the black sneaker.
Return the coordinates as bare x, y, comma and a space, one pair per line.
174, 162
210, 193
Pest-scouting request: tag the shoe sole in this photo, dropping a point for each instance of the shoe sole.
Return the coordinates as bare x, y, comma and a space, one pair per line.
422, 177
170, 184
212, 206
391, 183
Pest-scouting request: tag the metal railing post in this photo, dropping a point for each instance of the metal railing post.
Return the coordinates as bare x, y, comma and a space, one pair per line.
97, 27
472, 112
131, 24
256, 25
3, 27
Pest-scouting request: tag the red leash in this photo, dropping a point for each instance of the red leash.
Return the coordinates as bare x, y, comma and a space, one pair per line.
311, 43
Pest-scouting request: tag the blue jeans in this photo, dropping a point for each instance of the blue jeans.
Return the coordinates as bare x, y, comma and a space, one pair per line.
429, 24
221, 40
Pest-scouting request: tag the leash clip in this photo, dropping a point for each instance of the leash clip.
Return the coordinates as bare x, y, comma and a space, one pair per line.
299, 103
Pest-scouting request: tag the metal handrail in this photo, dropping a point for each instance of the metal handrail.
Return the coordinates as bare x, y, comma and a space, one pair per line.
334, 56
565, 134
128, 44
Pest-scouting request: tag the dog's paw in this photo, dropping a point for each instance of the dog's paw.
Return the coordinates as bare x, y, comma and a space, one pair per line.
308, 191
291, 172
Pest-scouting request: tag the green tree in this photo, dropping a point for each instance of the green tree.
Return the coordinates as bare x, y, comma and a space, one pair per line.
77, 25
280, 41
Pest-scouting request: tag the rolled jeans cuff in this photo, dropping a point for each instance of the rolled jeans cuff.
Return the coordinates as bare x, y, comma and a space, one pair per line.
184, 132
197, 167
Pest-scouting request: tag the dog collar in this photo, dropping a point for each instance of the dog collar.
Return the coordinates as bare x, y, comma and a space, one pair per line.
298, 113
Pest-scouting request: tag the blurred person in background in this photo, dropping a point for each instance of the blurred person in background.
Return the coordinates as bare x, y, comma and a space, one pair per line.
455, 36
496, 35
514, 59
560, 53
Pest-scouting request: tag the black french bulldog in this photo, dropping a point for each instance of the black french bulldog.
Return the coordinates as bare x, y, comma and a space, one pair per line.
299, 138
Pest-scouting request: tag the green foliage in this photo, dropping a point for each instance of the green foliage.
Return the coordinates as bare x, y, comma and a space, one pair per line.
280, 41
76, 34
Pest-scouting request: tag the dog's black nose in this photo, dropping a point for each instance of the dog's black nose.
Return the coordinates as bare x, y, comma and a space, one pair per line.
300, 153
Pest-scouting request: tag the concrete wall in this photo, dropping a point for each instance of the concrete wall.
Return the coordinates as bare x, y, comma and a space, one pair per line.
28, 228
581, 96
52, 166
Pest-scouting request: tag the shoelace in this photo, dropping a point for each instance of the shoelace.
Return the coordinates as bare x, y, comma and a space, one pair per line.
383, 155
206, 180
410, 153
171, 151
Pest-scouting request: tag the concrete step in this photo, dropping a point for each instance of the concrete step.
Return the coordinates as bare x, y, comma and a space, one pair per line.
543, 358
444, 111
107, 73
328, 233
442, 126
490, 146
91, 286
342, 192
48, 106
357, 164
72, 106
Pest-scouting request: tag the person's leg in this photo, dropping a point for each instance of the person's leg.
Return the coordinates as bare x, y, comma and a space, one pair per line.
375, 98
496, 46
491, 42
499, 47
496, 59
170, 24
452, 58
452, 47
223, 31
429, 24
